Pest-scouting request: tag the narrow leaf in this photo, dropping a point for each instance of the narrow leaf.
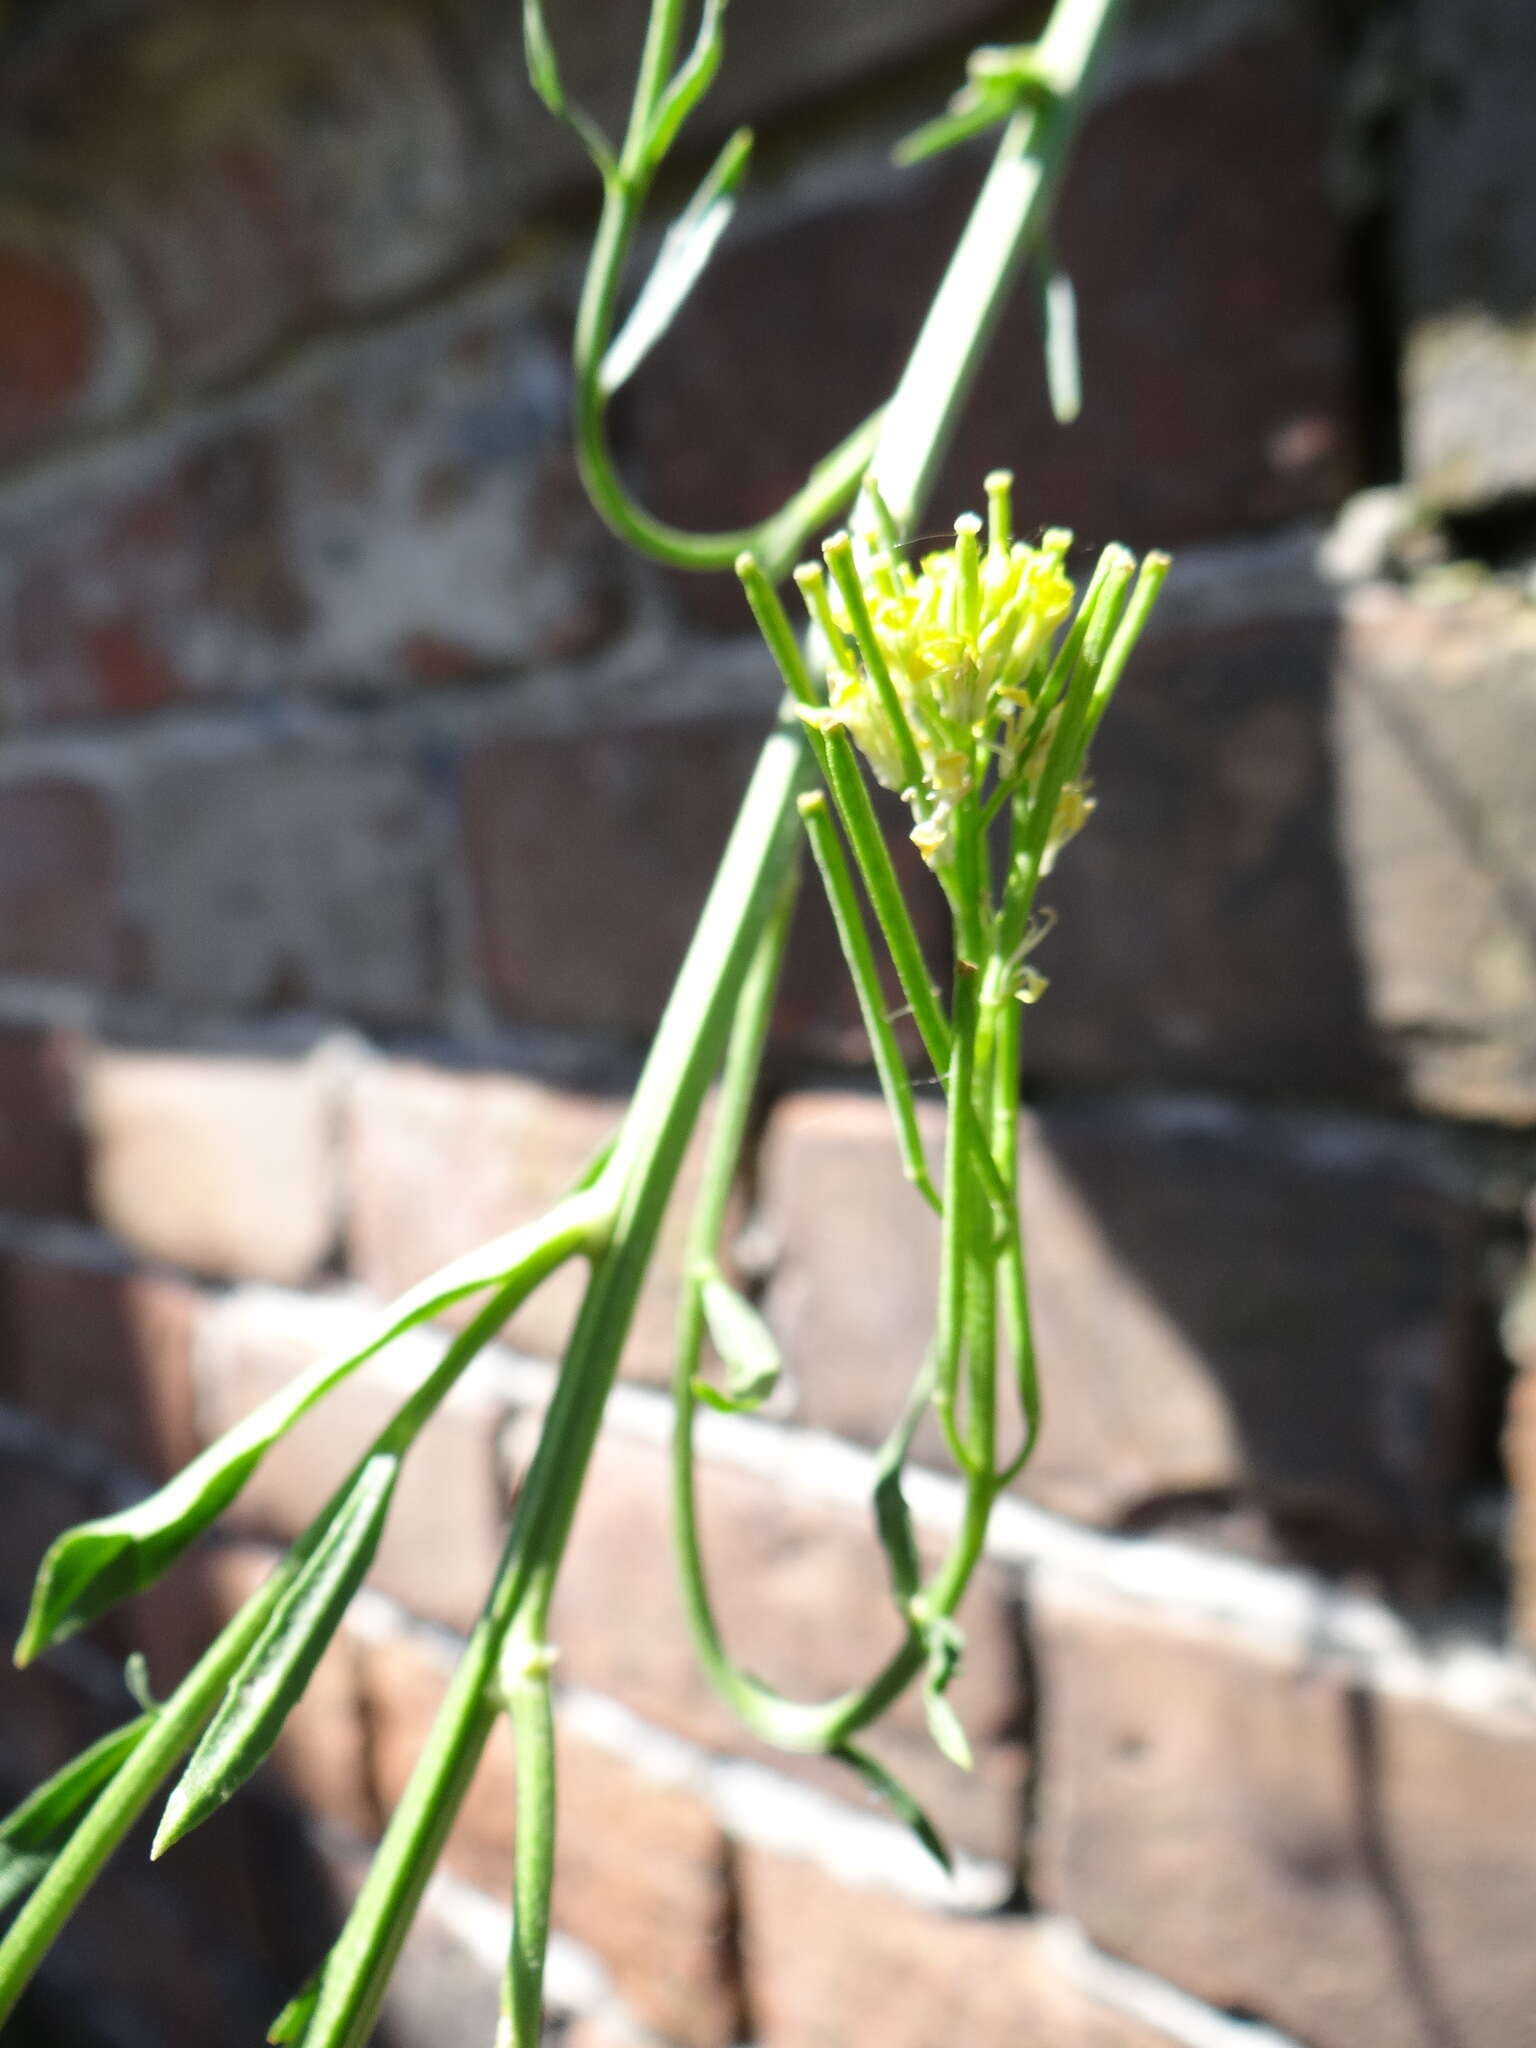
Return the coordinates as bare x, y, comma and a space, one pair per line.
893, 1518
283, 1658
685, 249
539, 51
949, 1737
136, 1678
691, 83
33, 1835
896, 1796
970, 115
91, 1567
292, 2023
747, 1347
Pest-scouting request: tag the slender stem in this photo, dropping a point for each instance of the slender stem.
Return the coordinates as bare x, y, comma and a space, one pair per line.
530, 1710
1007, 220
895, 1081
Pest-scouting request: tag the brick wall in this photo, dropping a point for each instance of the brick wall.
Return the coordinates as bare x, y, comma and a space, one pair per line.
356, 796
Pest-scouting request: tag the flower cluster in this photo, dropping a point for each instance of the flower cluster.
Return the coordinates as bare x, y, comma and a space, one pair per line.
938, 673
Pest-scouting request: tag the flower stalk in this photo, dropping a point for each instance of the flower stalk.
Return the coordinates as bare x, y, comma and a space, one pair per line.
956, 682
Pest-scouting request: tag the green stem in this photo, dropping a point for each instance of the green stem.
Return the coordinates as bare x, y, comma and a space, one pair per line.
525, 1680
859, 956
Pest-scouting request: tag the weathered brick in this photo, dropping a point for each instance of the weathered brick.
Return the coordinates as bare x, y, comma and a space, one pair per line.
101, 1352
1466, 229
294, 874
1226, 1303
804, 1602
58, 869
829, 1963
640, 1867
253, 175
1436, 760
1273, 1835
226, 1166
444, 1535
1215, 329
438, 1162
42, 1161
402, 512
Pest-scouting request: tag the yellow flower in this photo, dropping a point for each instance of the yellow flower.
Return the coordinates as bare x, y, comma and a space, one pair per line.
964, 640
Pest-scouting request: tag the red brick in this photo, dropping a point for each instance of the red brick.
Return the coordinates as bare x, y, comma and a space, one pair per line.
640, 1869
444, 1534
226, 1166
828, 1964
58, 864
1274, 1836
1520, 1464
42, 1163
804, 1603
397, 515
102, 1353
1265, 1310
1215, 327
48, 351
439, 1162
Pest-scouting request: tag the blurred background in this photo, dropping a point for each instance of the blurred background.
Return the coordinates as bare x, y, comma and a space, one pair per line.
356, 797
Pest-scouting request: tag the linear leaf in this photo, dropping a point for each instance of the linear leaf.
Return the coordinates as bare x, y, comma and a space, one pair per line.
91, 1567
896, 1796
691, 83
893, 1517
32, 1836
282, 1659
292, 2023
747, 1347
944, 1725
685, 249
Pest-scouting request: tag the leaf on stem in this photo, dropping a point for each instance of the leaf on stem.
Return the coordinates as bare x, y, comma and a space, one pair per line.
282, 1660
689, 86
747, 1347
544, 75
91, 1567
685, 249
292, 2023
893, 1518
945, 1643
896, 1796
34, 1834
